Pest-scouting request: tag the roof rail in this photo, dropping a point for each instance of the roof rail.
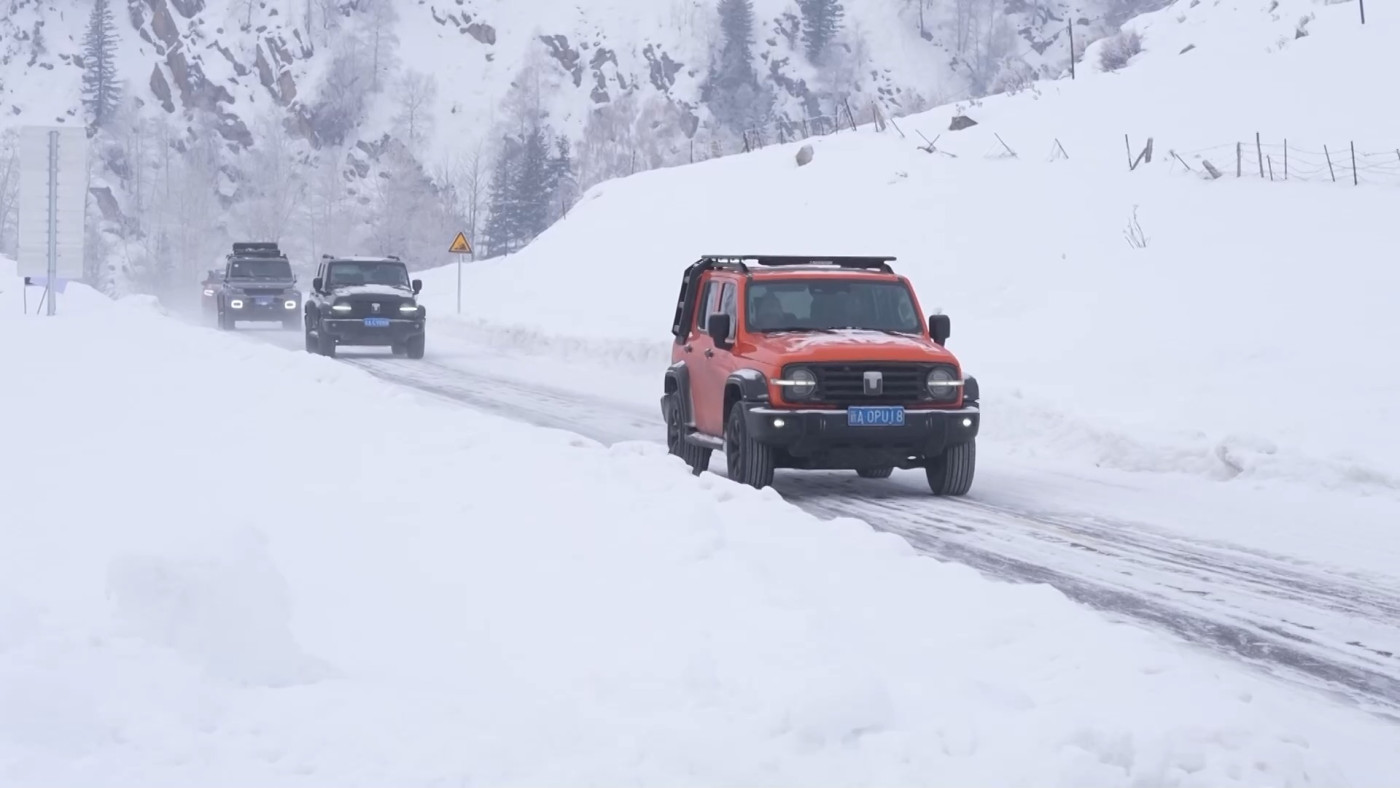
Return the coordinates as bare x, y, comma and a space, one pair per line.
256, 249
742, 262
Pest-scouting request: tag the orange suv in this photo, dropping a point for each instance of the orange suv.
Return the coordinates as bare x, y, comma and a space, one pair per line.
818, 363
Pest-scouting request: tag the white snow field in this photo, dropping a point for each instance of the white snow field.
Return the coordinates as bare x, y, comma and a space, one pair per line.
1249, 339
227, 564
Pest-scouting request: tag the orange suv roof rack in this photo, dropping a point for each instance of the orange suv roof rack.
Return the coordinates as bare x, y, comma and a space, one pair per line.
742, 262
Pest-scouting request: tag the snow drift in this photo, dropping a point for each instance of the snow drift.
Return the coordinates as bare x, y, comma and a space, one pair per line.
228, 563
1143, 320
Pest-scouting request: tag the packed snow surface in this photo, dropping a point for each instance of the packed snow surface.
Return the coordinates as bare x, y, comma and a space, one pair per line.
228, 564
1245, 340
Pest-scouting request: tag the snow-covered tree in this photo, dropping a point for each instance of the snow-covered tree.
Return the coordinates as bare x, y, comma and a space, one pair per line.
732, 90
101, 85
821, 24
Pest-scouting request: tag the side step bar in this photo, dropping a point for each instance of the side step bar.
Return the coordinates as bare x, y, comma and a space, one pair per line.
705, 441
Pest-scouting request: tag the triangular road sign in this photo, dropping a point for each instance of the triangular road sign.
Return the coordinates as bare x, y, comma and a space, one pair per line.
460, 245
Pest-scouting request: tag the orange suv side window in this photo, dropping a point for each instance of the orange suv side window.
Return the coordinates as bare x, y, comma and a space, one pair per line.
729, 305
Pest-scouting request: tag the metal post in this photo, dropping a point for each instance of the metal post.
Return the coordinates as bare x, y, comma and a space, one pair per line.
1363, 11
53, 223
1071, 48
459, 283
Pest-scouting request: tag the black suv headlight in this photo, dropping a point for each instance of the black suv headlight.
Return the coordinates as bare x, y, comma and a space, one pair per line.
943, 384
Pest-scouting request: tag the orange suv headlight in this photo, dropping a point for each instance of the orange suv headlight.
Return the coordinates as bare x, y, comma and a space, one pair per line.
800, 383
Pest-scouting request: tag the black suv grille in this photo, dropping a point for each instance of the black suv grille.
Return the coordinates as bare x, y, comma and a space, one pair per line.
265, 291
844, 383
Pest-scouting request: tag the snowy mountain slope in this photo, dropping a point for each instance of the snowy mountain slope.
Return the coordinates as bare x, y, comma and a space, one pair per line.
714, 634
1185, 356
377, 123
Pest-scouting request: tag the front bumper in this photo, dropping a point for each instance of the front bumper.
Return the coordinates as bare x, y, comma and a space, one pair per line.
822, 438
353, 331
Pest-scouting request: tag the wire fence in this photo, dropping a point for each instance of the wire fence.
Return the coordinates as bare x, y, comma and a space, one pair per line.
1280, 160
1286, 160
844, 117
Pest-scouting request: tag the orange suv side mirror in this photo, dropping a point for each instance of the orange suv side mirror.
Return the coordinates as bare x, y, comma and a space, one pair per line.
718, 327
940, 327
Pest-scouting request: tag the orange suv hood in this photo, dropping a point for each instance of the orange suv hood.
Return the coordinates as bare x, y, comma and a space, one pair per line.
847, 345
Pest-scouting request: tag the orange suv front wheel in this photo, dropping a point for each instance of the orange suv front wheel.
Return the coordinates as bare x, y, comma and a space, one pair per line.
749, 462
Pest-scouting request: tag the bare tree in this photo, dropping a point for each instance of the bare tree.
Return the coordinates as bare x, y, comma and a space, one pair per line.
417, 93
381, 39
9, 192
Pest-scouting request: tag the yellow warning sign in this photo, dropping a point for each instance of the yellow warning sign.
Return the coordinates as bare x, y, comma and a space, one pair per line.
460, 245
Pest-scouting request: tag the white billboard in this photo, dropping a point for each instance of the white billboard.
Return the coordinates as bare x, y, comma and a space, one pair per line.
68, 203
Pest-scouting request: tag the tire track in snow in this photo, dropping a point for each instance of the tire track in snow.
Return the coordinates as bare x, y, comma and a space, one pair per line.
1330, 631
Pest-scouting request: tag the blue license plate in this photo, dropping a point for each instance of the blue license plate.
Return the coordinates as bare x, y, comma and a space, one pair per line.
377, 322
875, 416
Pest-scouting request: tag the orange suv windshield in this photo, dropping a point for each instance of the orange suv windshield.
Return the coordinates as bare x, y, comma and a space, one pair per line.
831, 304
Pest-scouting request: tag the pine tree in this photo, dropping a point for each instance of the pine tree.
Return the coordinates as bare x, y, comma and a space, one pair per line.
821, 23
563, 182
101, 92
534, 185
502, 228
732, 90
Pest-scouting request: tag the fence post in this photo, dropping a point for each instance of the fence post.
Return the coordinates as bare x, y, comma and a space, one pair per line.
1363, 11
1259, 147
1355, 178
1129, 147
1239, 159
1328, 154
1271, 168
849, 115
1285, 158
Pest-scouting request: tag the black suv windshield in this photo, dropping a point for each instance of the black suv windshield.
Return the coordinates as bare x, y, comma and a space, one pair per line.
347, 273
831, 304
259, 269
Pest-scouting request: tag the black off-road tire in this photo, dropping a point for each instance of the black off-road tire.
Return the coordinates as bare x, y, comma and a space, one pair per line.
325, 344
749, 462
312, 346
416, 346
875, 473
226, 321
951, 473
698, 458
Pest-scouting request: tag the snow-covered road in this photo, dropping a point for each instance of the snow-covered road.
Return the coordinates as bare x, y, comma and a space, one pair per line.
1313, 624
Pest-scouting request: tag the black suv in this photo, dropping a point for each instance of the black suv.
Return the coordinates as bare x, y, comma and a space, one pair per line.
366, 301
257, 286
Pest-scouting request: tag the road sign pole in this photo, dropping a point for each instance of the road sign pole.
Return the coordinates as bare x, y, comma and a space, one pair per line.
53, 224
459, 283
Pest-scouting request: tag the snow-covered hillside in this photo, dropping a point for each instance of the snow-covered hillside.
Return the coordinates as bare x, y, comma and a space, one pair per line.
379, 124
181, 603
1245, 340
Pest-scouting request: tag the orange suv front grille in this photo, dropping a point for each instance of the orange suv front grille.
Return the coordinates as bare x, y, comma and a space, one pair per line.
846, 383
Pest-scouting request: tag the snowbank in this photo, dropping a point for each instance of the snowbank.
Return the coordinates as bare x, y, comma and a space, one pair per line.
227, 563
1241, 342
